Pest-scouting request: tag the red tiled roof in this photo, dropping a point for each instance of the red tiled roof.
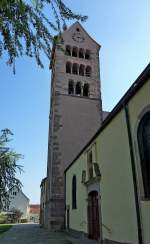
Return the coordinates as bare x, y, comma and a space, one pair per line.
34, 208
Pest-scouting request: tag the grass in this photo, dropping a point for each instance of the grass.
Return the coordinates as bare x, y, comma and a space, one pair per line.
4, 227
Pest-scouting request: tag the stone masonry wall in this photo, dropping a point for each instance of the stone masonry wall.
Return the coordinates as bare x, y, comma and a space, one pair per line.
73, 120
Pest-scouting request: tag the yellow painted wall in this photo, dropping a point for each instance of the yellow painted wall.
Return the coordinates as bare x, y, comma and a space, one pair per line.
116, 185
78, 217
117, 195
136, 107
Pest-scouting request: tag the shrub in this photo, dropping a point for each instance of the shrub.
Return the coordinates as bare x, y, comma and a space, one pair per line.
23, 220
3, 218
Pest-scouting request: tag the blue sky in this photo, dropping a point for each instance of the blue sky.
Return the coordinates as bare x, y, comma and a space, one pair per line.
122, 29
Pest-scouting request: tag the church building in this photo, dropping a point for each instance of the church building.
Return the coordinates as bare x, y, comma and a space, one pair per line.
98, 173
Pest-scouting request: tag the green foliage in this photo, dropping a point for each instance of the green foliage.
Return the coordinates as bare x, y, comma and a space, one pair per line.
3, 218
8, 168
16, 216
26, 29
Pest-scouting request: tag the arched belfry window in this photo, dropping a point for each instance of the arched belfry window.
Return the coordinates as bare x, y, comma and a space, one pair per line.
144, 148
78, 88
81, 53
86, 90
68, 50
87, 54
68, 67
74, 52
75, 69
88, 71
81, 70
74, 192
71, 87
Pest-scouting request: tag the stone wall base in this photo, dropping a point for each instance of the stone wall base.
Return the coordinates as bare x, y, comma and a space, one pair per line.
56, 225
55, 214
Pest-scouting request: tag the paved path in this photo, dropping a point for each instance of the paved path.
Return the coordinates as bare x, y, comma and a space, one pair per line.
32, 234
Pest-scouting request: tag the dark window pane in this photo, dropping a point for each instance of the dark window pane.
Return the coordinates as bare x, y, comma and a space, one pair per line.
88, 71
87, 54
81, 70
86, 90
74, 52
75, 69
71, 87
144, 147
74, 192
81, 53
68, 67
68, 50
78, 88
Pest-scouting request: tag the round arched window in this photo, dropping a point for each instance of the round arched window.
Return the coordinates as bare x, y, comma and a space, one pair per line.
144, 148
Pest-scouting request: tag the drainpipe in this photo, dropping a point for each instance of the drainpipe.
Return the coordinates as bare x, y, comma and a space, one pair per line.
127, 116
65, 200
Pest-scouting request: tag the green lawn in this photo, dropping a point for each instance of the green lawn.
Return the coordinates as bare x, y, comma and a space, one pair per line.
4, 227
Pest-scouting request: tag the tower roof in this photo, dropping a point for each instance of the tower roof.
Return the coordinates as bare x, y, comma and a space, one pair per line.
78, 25
71, 31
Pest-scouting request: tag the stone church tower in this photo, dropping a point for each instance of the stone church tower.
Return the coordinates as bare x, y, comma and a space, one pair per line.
75, 114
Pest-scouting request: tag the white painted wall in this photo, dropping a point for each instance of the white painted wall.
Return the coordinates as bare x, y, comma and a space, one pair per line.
19, 201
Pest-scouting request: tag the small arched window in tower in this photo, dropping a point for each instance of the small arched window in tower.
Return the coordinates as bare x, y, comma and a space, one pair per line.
74, 192
71, 87
74, 52
78, 88
144, 148
68, 50
81, 70
68, 67
75, 69
88, 71
81, 53
87, 54
86, 90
